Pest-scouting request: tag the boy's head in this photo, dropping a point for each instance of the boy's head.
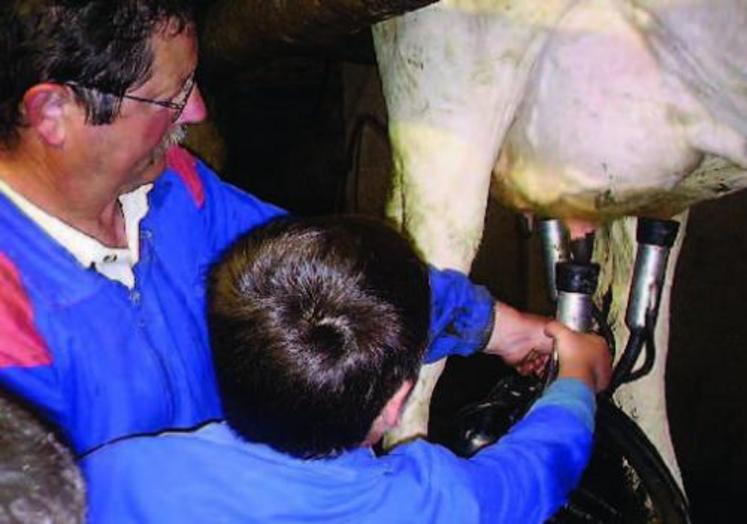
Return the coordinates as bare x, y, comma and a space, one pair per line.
316, 324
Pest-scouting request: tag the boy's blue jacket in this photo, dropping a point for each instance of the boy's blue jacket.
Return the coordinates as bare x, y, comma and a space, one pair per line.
103, 362
211, 475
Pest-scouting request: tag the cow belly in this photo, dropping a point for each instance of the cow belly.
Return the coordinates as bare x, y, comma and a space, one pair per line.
599, 121
616, 123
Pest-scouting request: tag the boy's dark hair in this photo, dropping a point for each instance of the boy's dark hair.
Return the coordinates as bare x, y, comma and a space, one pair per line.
101, 46
39, 479
315, 324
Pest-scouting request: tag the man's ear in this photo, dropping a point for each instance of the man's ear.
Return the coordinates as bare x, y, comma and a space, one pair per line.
393, 409
44, 109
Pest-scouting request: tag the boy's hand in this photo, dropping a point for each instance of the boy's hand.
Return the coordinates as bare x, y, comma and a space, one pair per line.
520, 339
582, 356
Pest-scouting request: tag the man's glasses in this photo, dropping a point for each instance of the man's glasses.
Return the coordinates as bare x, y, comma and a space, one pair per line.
176, 104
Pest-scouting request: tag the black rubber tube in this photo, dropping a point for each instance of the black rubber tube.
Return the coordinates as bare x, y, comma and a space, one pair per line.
627, 360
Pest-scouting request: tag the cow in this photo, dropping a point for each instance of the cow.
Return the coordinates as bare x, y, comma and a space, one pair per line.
585, 110
589, 111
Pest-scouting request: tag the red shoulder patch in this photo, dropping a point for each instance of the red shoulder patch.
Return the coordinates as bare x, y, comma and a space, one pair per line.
20, 343
181, 161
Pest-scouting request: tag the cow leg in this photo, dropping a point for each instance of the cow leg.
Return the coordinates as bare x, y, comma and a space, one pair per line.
453, 75
414, 422
446, 229
644, 400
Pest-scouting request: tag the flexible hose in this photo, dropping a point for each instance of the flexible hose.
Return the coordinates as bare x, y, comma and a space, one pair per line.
650, 347
636, 341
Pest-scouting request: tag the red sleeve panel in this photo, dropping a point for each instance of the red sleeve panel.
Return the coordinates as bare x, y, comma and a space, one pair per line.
20, 343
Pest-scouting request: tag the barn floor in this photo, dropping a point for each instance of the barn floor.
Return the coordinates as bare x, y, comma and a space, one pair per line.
287, 143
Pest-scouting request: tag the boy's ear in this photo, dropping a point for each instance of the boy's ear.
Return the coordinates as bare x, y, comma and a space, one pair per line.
390, 415
393, 409
44, 108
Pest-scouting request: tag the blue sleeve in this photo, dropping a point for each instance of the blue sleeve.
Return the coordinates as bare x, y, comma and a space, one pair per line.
573, 395
27, 364
461, 315
528, 474
524, 477
228, 211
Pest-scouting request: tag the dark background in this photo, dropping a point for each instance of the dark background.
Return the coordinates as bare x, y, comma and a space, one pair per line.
309, 134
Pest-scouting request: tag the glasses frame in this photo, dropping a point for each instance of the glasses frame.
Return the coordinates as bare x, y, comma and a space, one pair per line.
177, 107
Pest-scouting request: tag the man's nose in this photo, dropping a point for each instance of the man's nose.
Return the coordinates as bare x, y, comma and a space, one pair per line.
195, 111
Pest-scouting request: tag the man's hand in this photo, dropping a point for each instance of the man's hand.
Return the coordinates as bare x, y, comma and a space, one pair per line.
583, 356
520, 339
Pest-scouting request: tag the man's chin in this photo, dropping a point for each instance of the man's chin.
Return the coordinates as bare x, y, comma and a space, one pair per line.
155, 167
157, 162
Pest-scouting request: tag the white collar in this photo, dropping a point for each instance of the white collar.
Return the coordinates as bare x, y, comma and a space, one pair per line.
114, 263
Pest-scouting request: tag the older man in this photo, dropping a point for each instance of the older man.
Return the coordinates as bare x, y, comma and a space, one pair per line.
107, 226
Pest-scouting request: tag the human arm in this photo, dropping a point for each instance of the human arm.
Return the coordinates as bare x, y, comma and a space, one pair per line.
224, 211
462, 315
465, 319
528, 474
546, 452
520, 339
26, 361
524, 477
582, 356
537, 464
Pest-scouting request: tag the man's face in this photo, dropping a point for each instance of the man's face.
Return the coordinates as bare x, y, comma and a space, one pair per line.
131, 150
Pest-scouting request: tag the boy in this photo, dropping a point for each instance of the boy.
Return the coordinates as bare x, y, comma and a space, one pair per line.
318, 328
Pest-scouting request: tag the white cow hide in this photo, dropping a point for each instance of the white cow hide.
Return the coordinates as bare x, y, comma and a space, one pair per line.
587, 110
